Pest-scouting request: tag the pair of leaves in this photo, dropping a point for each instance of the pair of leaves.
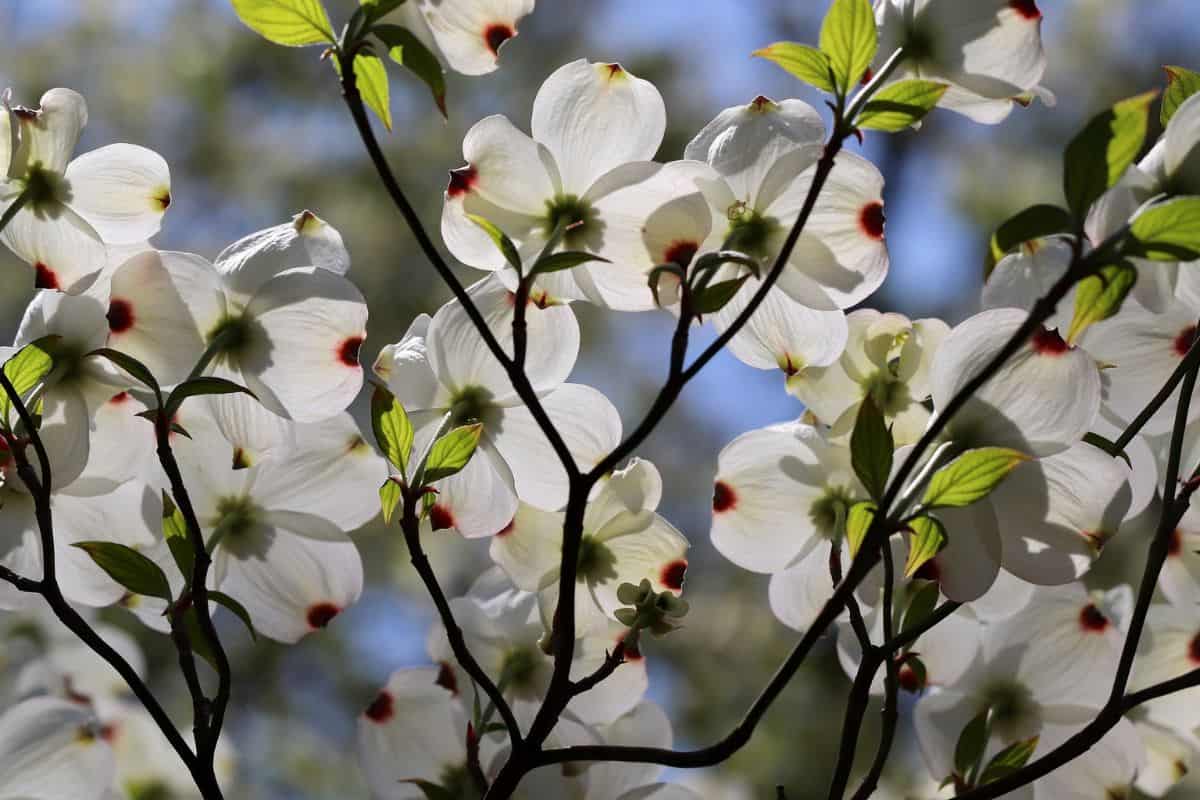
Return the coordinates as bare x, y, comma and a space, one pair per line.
848, 43
972, 745
1097, 158
408, 51
193, 387
25, 370
547, 261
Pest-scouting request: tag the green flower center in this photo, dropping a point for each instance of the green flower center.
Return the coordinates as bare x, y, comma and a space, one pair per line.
236, 517
230, 335
597, 563
521, 667
568, 210
149, 790
469, 405
919, 45
889, 392
749, 231
828, 513
1014, 712
45, 190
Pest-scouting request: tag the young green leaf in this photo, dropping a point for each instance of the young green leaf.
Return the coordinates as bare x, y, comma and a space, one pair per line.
568, 259
1100, 296
858, 522
871, 449
1098, 157
900, 105
1035, 222
393, 430
295, 23
971, 477
712, 299
927, 540
237, 608
174, 530
923, 598
389, 497
806, 63
372, 80
972, 742
129, 568
850, 39
451, 453
201, 386
1168, 231
136, 369
408, 51
190, 623
25, 370
1009, 760
500, 239
1181, 84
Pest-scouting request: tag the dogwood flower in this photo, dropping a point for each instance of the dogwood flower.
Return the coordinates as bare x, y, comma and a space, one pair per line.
503, 629
52, 749
291, 334
779, 493
115, 195
887, 358
1173, 164
442, 368
467, 34
1169, 649
989, 52
624, 541
595, 128
278, 530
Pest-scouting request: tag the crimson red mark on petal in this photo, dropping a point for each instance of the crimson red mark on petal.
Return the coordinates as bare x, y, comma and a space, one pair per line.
1092, 620
507, 529
45, 278
382, 708
1183, 342
441, 517
672, 575
1176, 545
320, 615
1194, 649
614, 70
446, 678
1026, 8
348, 352
118, 399
1049, 343
867, 76
871, 219
681, 252
120, 315
724, 498
461, 181
496, 35
908, 679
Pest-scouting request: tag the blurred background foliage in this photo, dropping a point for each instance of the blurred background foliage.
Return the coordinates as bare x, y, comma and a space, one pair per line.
255, 133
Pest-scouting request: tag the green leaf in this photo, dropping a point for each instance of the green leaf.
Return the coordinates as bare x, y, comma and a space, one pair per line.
655, 277
1009, 760
972, 743
1098, 157
393, 430
1035, 222
806, 63
198, 387
25, 370
128, 567
1168, 231
923, 598
849, 38
190, 623
900, 105
294, 23
174, 529
500, 239
372, 80
407, 50
451, 453
1100, 296
871, 449
713, 298
971, 477
390, 495
927, 540
237, 608
1181, 84
568, 259
136, 369
858, 522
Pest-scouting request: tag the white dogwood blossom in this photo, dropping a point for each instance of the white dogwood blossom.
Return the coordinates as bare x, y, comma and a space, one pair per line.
467, 34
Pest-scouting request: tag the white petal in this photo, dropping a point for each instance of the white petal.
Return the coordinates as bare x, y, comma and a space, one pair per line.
783, 334
49, 749
797, 594
968, 565
123, 190
1023, 278
304, 348
595, 117
480, 500
305, 241
1182, 147
49, 136
655, 552
507, 168
470, 33
992, 47
1104, 770
64, 250
1040, 402
529, 551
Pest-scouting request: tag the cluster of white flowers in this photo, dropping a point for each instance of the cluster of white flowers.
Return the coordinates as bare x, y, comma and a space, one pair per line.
279, 475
